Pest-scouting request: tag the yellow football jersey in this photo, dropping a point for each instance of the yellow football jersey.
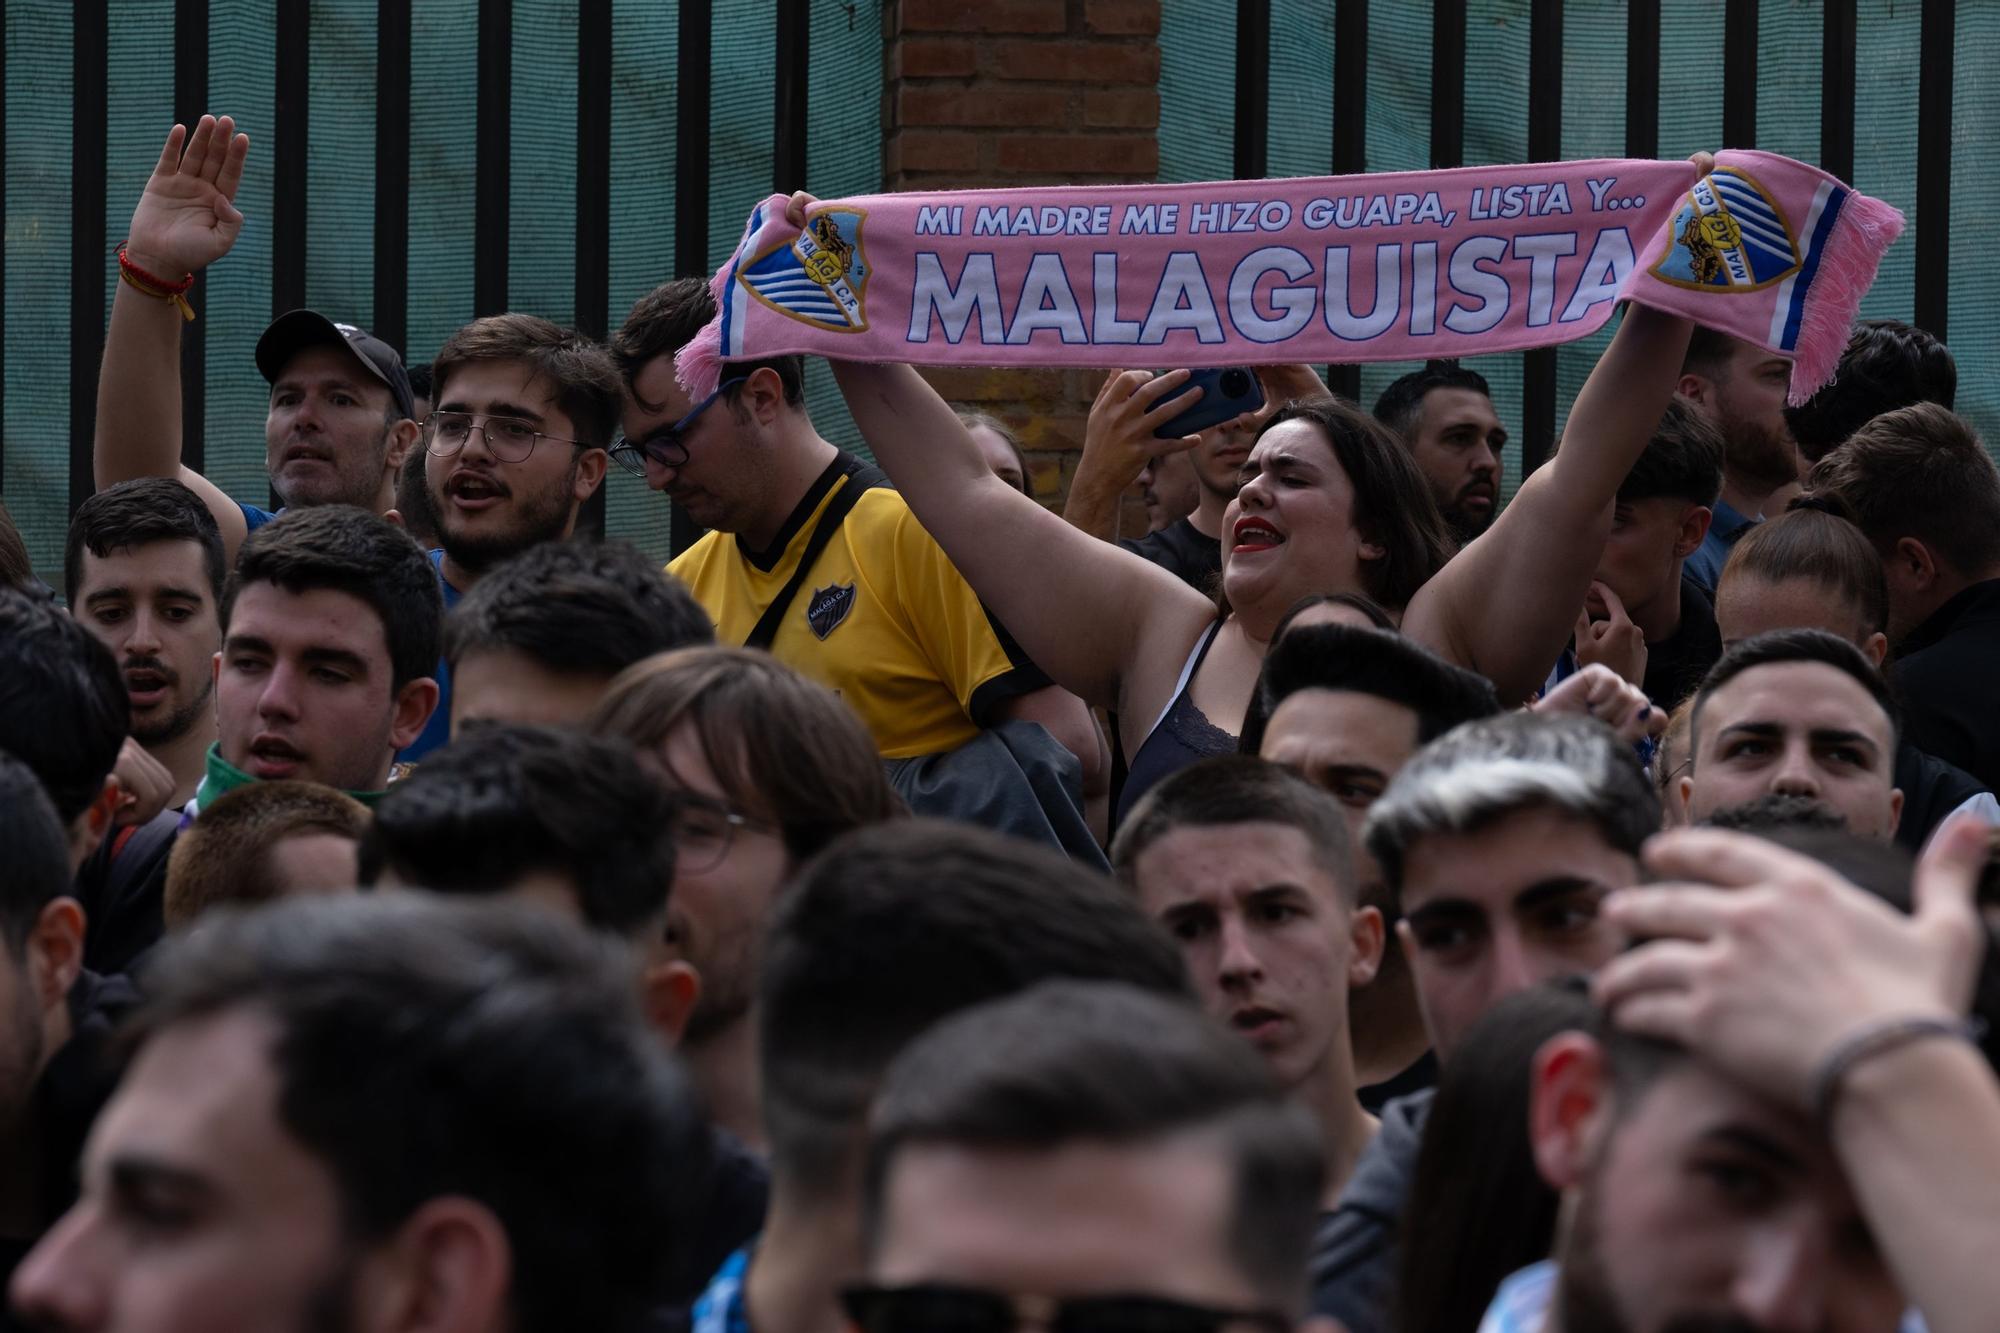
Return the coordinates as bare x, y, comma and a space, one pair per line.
883, 619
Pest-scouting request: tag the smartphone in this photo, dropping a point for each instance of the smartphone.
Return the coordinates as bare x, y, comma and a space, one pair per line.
1227, 393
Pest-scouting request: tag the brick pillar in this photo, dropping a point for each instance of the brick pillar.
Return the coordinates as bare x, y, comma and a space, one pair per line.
981, 94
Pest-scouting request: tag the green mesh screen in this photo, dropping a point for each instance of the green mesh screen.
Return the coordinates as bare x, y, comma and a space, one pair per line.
843, 157
1197, 111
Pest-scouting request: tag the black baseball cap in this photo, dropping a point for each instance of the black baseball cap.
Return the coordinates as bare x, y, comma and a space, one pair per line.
296, 330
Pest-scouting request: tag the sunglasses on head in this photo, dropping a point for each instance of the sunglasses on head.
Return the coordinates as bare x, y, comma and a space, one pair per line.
934, 1308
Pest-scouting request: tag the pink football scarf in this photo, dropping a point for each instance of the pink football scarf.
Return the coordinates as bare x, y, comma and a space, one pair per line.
1334, 269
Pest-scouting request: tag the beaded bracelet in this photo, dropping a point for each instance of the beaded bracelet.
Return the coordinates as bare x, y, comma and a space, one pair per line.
173, 293
1878, 1039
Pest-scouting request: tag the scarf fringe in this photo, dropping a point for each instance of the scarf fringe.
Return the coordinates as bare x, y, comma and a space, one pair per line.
1861, 234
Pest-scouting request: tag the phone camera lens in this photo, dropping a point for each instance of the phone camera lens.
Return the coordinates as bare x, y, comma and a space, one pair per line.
1236, 383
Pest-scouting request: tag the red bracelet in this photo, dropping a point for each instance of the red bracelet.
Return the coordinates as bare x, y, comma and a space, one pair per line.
166, 289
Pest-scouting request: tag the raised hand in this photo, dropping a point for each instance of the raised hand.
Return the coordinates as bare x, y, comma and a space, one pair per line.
1765, 961
144, 785
187, 218
1598, 691
1615, 641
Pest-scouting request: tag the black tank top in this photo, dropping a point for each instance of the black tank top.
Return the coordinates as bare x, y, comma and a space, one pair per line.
1182, 736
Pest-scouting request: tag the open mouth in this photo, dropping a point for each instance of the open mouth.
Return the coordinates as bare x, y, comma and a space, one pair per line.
146, 687
1254, 534
474, 490
1256, 1023
273, 757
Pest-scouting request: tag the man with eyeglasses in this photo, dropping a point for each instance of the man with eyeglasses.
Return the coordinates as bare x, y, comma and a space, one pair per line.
514, 447
1087, 1157
814, 558
341, 416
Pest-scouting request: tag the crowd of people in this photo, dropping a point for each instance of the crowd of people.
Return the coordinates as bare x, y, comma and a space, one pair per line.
1353, 903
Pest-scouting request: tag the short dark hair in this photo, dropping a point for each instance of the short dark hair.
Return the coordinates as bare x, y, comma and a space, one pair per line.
895, 926
1682, 461
347, 549
37, 853
224, 856
1482, 772
1822, 547
1102, 1062
578, 368
1238, 789
1375, 662
1401, 404
778, 743
414, 503
1793, 645
667, 318
1919, 472
420, 380
426, 1048
1708, 351
577, 607
137, 513
502, 801
1393, 506
1888, 364
17, 568
63, 707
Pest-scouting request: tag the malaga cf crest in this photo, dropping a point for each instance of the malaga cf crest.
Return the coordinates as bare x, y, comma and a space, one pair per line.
1729, 234
819, 279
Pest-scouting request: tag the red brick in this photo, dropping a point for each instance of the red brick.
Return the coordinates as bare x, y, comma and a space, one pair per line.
1045, 477
1123, 18
931, 58
917, 149
1074, 61
1122, 109
968, 384
924, 105
1061, 155
985, 15
1060, 429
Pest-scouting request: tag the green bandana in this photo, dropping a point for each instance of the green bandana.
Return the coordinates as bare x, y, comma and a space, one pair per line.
223, 776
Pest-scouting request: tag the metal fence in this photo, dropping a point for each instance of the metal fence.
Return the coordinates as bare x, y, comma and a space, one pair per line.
414, 164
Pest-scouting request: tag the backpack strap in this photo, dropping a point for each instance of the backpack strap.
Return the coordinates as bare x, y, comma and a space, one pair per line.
862, 479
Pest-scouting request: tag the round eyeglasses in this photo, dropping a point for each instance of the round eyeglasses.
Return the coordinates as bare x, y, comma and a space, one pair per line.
668, 445
703, 829
509, 439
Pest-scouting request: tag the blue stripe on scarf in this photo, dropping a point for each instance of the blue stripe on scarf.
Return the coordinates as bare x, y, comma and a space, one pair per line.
1814, 250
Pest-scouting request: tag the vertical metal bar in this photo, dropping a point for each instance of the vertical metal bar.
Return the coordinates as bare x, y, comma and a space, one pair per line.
1447, 84
1642, 78
1253, 88
3, 275
1350, 130
1836, 88
288, 156
190, 100
493, 139
89, 252
1739, 74
1545, 78
1936, 40
593, 195
794, 52
691, 120
391, 322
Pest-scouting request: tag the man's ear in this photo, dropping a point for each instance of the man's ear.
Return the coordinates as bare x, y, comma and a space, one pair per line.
1916, 562
763, 395
94, 824
415, 703
55, 950
1568, 1094
1367, 934
1876, 646
591, 465
447, 1269
403, 437
1697, 388
1684, 793
1694, 528
669, 991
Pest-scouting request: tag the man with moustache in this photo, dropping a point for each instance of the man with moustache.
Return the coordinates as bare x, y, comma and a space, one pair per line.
1741, 388
1444, 416
341, 414
143, 573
